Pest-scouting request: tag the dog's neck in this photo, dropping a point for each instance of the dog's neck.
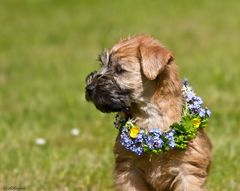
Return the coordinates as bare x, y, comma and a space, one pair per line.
164, 106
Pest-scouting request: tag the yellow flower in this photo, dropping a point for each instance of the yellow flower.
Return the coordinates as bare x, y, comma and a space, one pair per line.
134, 131
196, 122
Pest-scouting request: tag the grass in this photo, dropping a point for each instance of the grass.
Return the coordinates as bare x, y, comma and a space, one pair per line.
47, 47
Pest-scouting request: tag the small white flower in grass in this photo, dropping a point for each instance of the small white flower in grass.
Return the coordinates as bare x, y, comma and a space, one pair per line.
40, 141
75, 132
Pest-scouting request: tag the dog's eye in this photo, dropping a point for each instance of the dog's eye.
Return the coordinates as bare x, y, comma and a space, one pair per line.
119, 69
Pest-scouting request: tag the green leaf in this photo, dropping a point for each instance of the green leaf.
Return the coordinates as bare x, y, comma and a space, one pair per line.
204, 123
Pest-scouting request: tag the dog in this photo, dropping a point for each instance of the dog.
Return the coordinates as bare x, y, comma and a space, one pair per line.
139, 76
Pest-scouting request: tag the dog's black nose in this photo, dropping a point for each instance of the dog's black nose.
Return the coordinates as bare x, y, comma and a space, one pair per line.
89, 92
90, 88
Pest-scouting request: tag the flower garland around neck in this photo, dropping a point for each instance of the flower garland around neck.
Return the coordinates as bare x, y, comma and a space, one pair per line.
140, 141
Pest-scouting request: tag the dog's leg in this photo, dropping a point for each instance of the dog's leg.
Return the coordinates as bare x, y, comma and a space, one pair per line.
189, 183
180, 182
127, 176
130, 181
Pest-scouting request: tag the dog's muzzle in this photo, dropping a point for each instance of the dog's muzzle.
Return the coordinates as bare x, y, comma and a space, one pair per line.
106, 95
90, 85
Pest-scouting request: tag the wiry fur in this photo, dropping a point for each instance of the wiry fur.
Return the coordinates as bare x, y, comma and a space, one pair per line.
140, 76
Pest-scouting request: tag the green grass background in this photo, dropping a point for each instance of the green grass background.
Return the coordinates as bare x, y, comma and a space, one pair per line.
47, 48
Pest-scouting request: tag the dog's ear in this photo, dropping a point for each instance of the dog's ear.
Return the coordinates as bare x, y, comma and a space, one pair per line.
153, 60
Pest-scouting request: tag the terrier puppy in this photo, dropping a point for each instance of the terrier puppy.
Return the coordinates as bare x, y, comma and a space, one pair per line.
139, 76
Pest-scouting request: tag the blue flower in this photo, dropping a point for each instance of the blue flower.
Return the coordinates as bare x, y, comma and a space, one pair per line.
137, 149
198, 100
170, 137
185, 82
189, 96
172, 143
197, 103
202, 112
155, 131
171, 133
149, 142
139, 138
125, 130
157, 142
134, 145
125, 139
209, 113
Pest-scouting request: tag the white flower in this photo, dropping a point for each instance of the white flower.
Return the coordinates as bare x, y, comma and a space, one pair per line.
75, 132
40, 141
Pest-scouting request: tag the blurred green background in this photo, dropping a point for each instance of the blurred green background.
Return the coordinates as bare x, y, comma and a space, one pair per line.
47, 48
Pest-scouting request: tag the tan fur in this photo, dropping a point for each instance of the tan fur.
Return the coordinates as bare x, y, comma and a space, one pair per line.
152, 74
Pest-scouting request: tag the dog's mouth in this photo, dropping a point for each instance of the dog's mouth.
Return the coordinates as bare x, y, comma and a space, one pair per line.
106, 95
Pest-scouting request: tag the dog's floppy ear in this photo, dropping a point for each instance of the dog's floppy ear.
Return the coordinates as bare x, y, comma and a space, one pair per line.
153, 59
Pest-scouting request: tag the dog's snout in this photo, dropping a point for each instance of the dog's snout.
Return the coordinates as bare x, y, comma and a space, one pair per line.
98, 76
93, 77
90, 87
89, 91
90, 77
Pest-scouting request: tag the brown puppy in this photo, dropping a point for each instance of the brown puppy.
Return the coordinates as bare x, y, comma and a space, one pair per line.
139, 76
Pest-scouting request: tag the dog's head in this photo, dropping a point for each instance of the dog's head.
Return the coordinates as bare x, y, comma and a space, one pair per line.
128, 73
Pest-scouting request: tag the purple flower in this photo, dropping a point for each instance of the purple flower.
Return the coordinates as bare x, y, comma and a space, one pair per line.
139, 138
201, 112
149, 142
172, 143
209, 113
125, 139
136, 149
185, 82
198, 100
170, 137
155, 133
154, 130
157, 142
171, 133
189, 96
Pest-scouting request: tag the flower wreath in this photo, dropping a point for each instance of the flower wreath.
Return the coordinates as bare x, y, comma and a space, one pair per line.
140, 141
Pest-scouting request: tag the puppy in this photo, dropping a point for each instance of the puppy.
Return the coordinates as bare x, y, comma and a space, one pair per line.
139, 77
